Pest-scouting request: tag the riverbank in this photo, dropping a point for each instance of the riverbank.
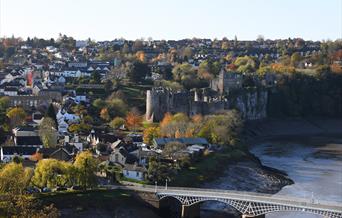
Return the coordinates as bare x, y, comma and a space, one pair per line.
98, 203
248, 176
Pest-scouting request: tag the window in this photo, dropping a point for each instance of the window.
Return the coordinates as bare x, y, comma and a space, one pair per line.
138, 174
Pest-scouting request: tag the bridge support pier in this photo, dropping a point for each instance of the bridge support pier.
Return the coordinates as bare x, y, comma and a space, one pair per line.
248, 216
192, 211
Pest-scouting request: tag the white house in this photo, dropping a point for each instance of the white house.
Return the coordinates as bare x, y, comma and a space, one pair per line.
11, 91
70, 118
51, 49
8, 153
133, 171
62, 126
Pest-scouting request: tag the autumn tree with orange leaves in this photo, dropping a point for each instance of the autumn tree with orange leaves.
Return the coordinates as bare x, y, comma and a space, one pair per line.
166, 120
134, 119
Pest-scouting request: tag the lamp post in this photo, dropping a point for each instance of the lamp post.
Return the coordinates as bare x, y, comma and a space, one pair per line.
155, 186
166, 180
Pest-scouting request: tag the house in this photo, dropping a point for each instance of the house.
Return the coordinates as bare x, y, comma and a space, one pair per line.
24, 131
136, 138
28, 141
11, 91
37, 118
70, 118
161, 142
8, 153
62, 126
134, 171
143, 154
65, 153
122, 156
95, 138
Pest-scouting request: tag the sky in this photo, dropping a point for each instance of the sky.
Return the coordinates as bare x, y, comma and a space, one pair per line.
172, 19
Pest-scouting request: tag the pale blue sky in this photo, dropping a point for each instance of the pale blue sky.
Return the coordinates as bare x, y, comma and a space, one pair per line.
173, 19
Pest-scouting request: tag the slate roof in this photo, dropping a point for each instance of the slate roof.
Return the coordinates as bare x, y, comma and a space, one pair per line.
18, 150
28, 140
187, 141
130, 158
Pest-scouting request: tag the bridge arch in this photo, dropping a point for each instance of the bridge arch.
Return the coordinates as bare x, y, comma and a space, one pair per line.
251, 208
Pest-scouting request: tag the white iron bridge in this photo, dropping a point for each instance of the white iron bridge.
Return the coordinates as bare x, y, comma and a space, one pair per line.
249, 204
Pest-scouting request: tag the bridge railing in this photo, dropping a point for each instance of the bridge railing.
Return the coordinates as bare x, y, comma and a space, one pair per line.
245, 195
240, 195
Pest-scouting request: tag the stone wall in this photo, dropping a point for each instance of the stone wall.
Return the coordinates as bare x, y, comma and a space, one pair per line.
251, 104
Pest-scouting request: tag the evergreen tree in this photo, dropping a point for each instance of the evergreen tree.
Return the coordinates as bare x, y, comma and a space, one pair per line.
52, 114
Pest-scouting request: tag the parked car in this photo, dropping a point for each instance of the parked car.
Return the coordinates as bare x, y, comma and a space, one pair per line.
76, 188
31, 190
61, 189
46, 190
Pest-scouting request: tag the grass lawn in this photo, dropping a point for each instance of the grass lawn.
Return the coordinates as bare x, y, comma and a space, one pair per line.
135, 94
207, 168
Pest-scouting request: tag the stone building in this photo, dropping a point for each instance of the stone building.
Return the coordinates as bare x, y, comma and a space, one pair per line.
251, 104
226, 81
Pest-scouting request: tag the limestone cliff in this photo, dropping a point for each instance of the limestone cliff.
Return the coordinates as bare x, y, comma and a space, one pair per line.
251, 104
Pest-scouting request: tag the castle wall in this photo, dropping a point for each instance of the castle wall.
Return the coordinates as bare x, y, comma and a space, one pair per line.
251, 104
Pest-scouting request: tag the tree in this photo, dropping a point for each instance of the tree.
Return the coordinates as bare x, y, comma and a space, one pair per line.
166, 120
17, 116
4, 103
117, 122
47, 132
99, 104
52, 173
79, 128
150, 133
225, 45
108, 86
187, 53
117, 108
104, 114
52, 114
36, 157
14, 178
159, 171
186, 74
295, 58
134, 119
141, 56
222, 129
180, 117
245, 64
86, 166
175, 126
172, 148
137, 71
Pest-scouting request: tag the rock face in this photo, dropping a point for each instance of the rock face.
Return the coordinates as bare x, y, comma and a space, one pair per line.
251, 104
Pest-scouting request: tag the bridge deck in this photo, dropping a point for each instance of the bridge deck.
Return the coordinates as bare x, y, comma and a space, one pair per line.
238, 195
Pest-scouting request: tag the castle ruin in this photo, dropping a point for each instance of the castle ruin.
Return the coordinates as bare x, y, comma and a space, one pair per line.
251, 104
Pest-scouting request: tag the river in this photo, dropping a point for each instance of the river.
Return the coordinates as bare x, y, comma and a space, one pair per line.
315, 166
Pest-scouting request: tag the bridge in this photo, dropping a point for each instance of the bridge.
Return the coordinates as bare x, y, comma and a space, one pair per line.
249, 204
